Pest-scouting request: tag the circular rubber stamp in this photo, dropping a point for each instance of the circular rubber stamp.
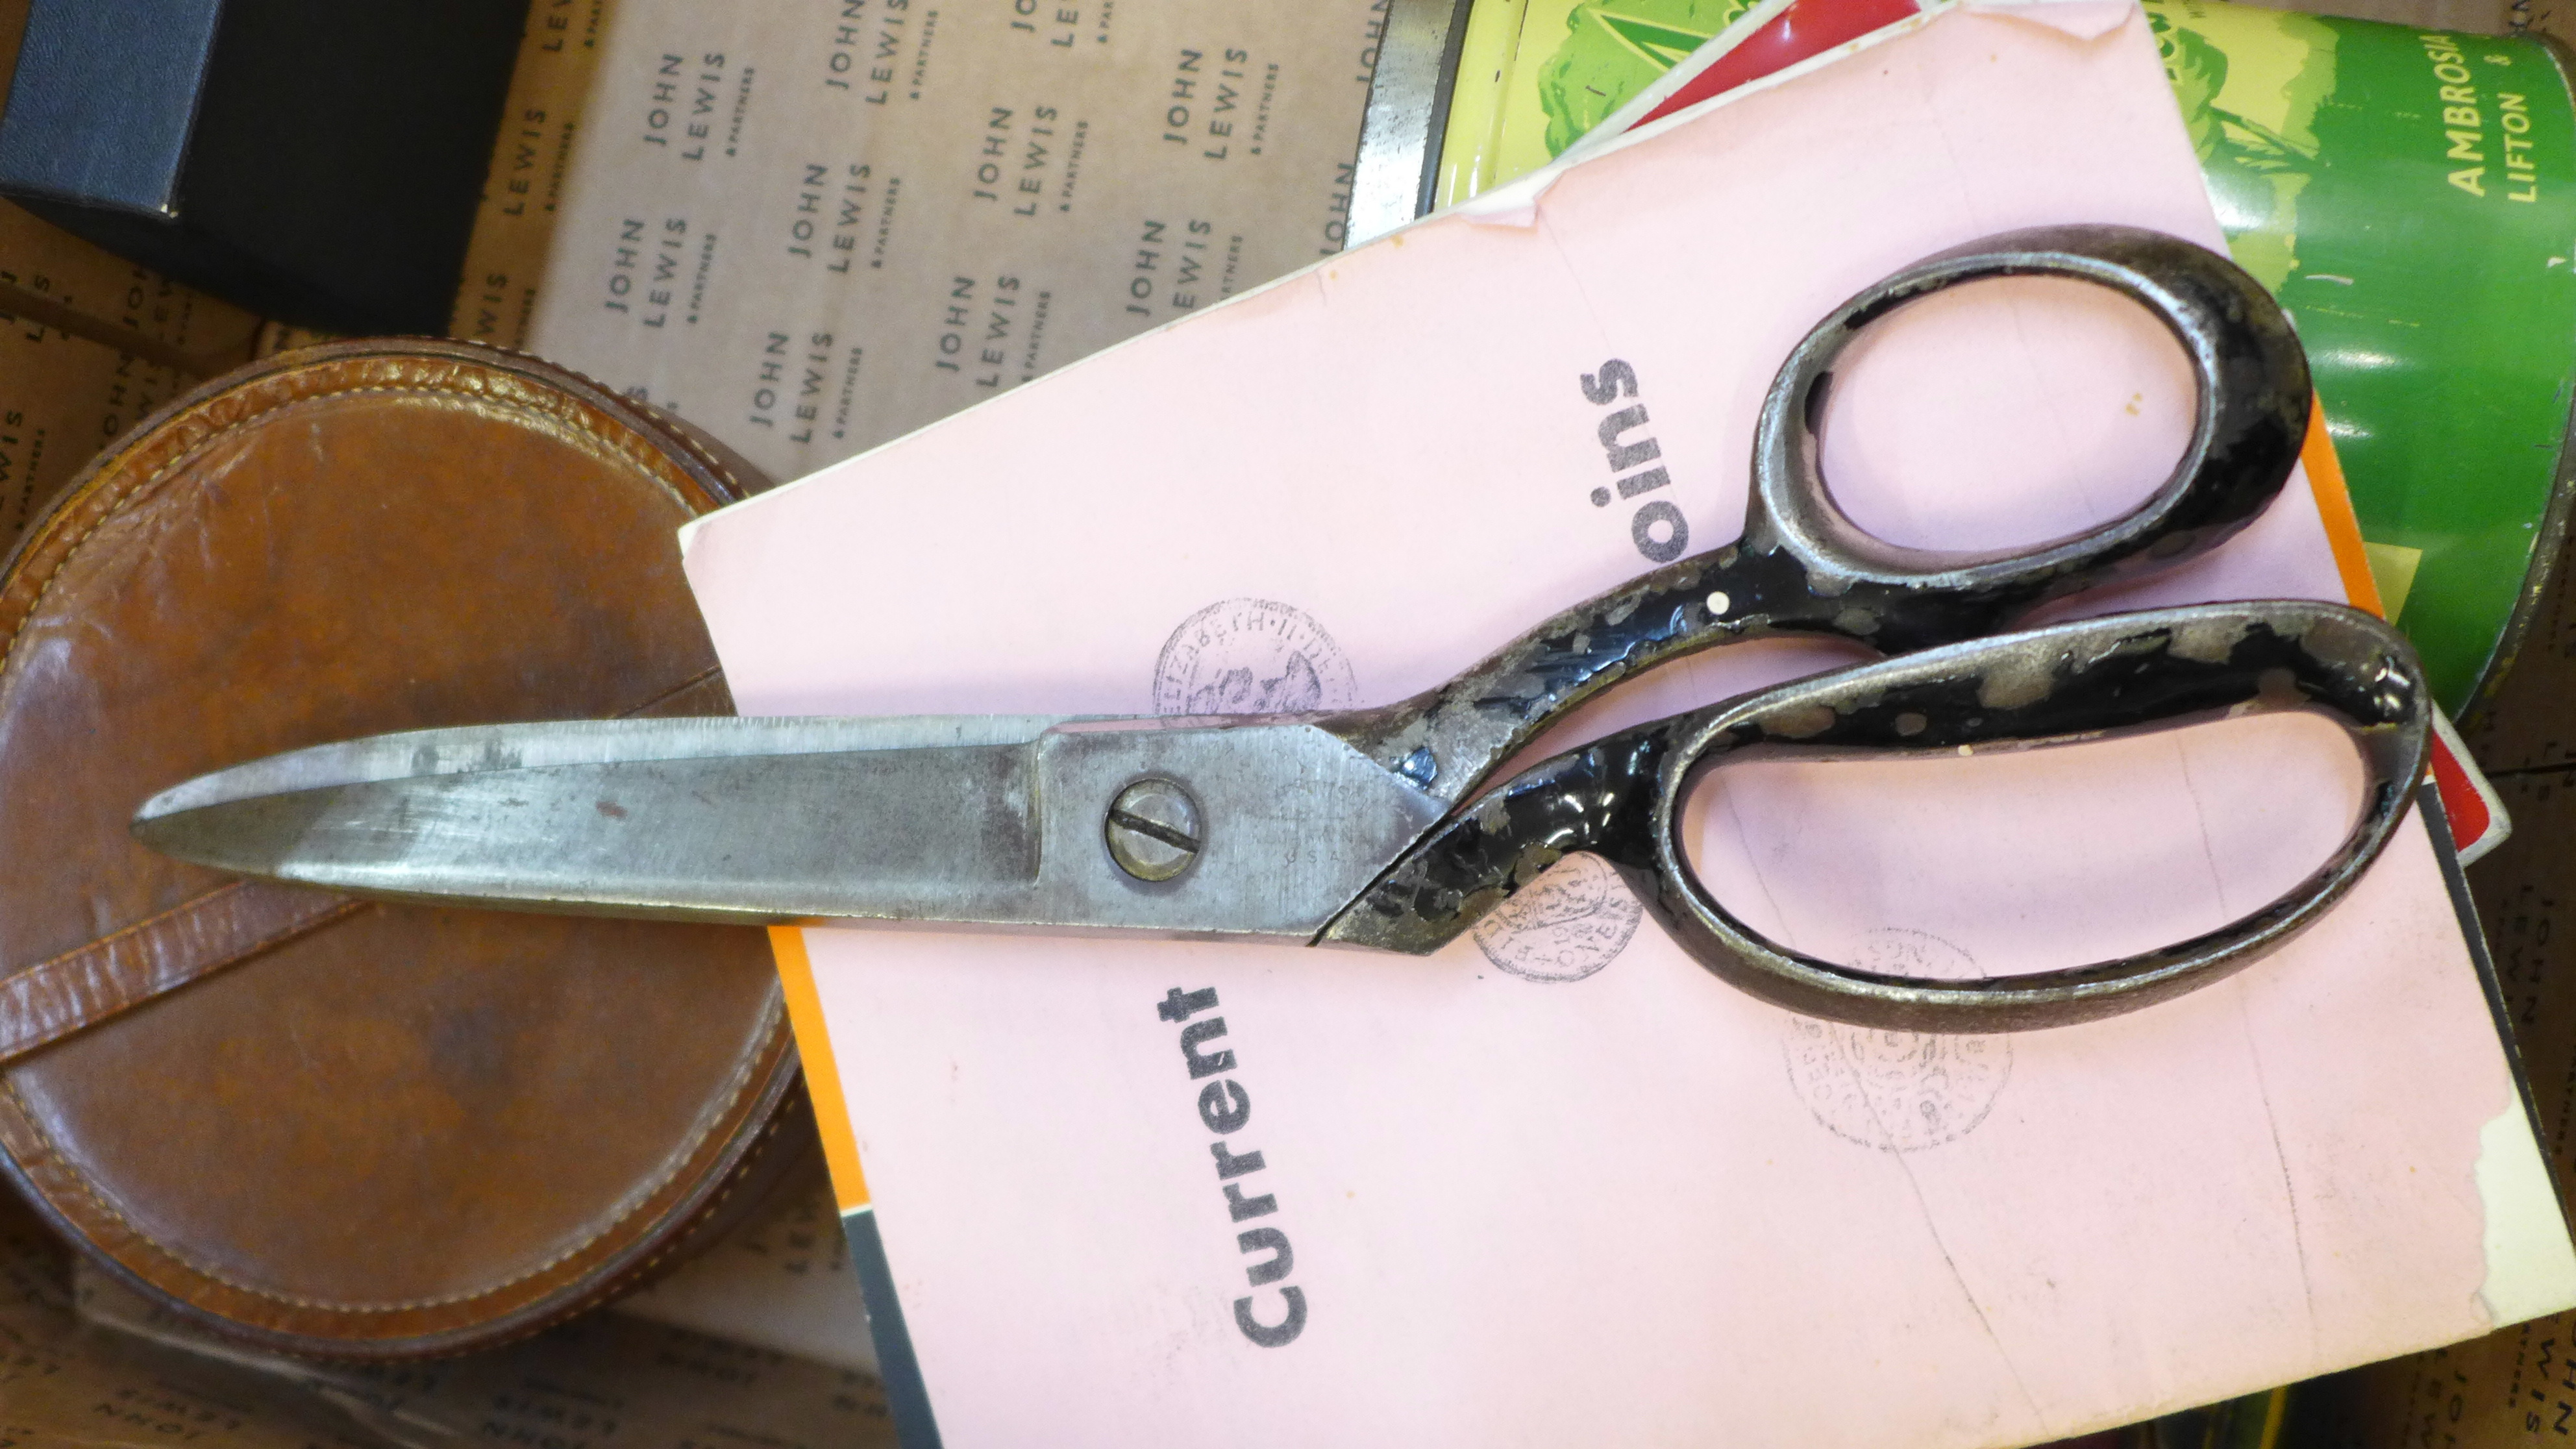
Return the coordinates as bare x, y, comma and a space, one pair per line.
1570, 922
1252, 656
1898, 1091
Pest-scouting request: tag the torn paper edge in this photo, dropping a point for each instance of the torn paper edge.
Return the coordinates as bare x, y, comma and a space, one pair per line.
2531, 1265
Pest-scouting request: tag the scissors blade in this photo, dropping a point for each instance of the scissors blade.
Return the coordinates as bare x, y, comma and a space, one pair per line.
969, 819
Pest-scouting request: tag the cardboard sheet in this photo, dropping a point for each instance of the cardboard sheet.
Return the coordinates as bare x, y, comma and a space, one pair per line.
809, 229
1557, 1183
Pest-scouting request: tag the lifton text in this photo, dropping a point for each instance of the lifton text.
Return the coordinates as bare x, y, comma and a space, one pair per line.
2465, 130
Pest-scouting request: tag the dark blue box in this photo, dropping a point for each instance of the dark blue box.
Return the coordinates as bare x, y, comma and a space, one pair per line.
317, 161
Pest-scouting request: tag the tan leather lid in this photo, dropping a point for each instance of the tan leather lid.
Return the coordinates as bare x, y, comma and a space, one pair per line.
329, 1126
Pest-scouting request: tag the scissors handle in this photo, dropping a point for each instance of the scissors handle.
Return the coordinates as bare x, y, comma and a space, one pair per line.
1621, 797
1803, 567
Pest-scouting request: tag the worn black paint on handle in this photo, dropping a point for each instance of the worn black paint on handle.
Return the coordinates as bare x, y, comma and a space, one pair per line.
1621, 797
1802, 567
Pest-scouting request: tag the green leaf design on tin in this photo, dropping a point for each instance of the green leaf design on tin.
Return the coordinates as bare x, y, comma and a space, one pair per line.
1615, 48
1665, 44
2250, 94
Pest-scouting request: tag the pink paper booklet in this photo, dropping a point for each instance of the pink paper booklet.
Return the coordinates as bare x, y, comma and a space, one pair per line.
1557, 1183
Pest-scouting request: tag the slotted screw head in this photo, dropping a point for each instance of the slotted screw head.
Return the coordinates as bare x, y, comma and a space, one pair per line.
1153, 830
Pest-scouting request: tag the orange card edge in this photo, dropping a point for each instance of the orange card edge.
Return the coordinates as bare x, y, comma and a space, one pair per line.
822, 1071
2334, 505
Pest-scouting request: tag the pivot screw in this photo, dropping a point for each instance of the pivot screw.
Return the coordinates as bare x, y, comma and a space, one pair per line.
1153, 830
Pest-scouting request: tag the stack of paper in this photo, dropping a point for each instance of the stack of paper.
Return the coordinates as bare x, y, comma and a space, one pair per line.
1558, 1183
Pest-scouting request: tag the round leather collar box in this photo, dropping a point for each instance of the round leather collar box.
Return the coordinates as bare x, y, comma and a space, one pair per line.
322, 1125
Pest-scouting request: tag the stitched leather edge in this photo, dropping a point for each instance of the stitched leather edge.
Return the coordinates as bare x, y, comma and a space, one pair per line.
751, 1145
180, 432
215, 920
735, 1086
303, 912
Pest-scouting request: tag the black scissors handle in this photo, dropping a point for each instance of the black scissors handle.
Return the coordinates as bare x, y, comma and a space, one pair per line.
1803, 567
1621, 797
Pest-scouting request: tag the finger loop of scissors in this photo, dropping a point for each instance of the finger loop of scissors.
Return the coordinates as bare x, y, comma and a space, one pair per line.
1622, 797
2250, 417
1802, 566
2146, 671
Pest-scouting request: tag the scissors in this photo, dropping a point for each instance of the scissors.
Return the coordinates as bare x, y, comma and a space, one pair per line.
1375, 827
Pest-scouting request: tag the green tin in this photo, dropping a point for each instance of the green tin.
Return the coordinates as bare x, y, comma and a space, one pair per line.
2409, 195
